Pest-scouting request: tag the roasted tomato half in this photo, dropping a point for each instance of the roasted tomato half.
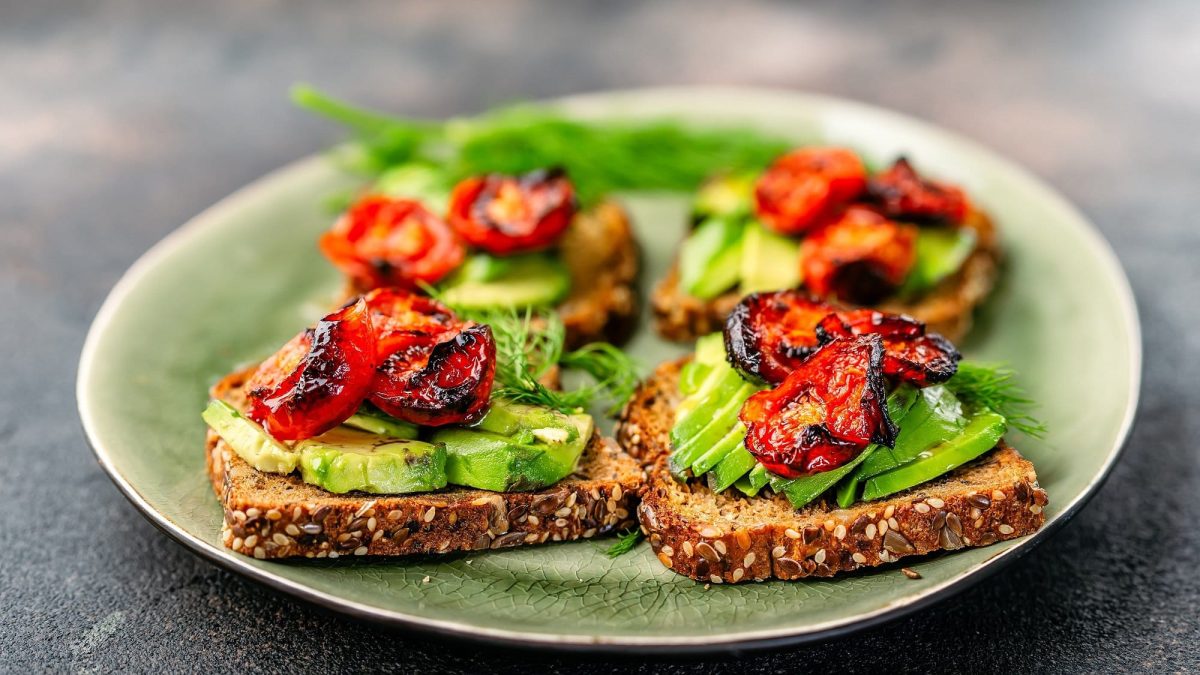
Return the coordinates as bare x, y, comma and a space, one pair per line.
449, 384
318, 379
861, 258
802, 188
381, 241
824, 413
511, 214
407, 321
910, 353
768, 335
903, 194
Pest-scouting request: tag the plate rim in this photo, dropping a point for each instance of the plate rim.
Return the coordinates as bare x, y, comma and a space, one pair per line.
756, 639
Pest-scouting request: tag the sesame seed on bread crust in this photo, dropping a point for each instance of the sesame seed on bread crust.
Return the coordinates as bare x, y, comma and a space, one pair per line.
728, 538
945, 309
270, 515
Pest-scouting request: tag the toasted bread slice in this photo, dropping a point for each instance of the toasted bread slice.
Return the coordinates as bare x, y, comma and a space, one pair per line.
727, 538
946, 309
602, 256
268, 515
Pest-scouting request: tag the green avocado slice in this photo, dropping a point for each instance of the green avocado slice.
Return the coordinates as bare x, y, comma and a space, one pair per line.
710, 258
343, 460
533, 456
981, 434
249, 440
770, 261
527, 280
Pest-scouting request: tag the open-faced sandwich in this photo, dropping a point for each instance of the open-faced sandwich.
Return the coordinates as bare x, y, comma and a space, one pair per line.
815, 219
494, 241
396, 425
808, 439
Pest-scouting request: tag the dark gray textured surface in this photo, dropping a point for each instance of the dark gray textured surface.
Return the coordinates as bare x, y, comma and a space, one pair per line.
120, 120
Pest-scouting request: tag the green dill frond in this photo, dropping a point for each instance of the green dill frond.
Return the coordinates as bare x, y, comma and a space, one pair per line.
991, 385
601, 157
624, 543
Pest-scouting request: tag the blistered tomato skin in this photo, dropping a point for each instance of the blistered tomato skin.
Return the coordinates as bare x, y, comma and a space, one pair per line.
504, 215
910, 353
318, 379
768, 335
824, 413
451, 384
860, 258
903, 194
803, 188
382, 241
407, 321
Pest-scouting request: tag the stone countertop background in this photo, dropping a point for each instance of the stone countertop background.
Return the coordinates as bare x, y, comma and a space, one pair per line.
121, 120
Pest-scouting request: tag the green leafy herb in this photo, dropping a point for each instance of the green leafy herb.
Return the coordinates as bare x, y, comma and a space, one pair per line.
529, 346
601, 157
624, 543
991, 385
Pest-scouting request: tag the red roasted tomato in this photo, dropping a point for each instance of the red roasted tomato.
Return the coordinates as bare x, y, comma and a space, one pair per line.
407, 321
824, 413
512, 214
903, 194
802, 188
318, 379
768, 335
910, 353
381, 241
449, 384
861, 258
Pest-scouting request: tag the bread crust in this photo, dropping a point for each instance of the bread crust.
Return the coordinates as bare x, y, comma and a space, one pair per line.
728, 538
270, 515
946, 309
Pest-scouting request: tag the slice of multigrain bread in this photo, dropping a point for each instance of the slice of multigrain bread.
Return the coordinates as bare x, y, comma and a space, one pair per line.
269, 515
727, 538
602, 256
946, 309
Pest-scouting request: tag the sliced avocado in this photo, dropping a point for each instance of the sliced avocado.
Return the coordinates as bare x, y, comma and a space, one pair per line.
691, 376
770, 261
342, 460
508, 419
528, 280
713, 426
744, 486
940, 253
714, 390
725, 195
733, 468
759, 477
719, 450
710, 349
250, 441
980, 435
369, 418
710, 259
416, 181
492, 461
481, 267
935, 417
801, 491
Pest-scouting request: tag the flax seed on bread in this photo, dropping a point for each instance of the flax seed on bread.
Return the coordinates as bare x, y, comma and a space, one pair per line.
269, 515
946, 309
728, 538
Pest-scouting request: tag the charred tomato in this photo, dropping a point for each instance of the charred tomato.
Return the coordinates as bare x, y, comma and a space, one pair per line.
802, 188
381, 241
318, 379
860, 258
407, 321
768, 335
512, 214
824, 413
910, 353
449, 384
901, 193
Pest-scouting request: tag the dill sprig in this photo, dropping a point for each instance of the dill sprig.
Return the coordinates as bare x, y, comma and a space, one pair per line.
991, 385
529, 346
600, 156
624, 543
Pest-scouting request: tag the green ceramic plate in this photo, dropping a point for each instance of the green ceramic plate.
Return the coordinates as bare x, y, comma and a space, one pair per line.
233, 284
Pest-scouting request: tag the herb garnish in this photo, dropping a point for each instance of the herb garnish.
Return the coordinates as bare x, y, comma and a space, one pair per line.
529, 346
601, 157
991, 385
624, 543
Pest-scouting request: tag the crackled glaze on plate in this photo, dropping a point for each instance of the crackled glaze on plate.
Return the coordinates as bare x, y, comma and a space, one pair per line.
241, 278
